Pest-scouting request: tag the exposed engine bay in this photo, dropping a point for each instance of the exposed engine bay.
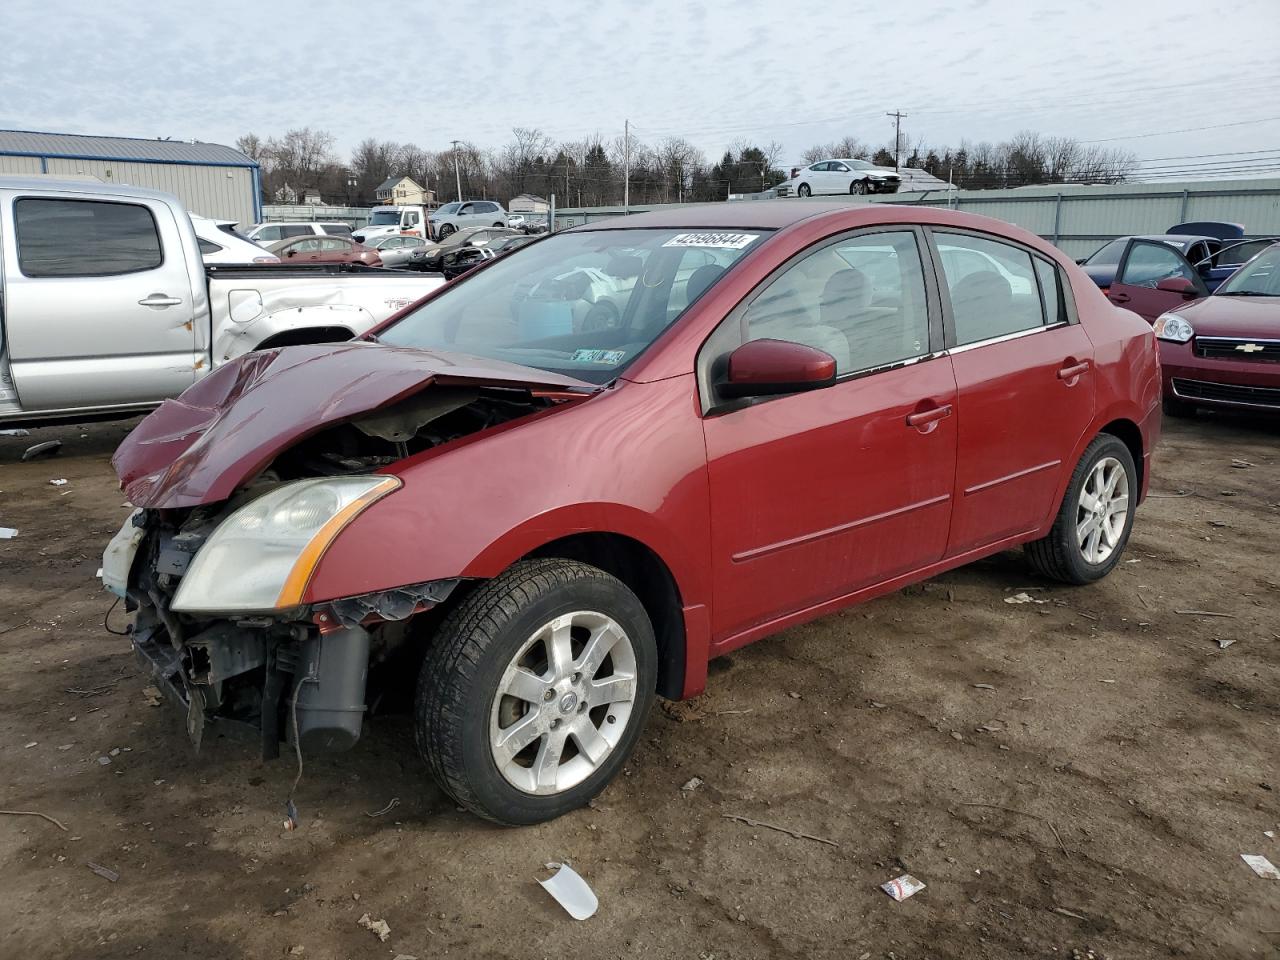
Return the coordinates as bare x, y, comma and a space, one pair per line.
303, 669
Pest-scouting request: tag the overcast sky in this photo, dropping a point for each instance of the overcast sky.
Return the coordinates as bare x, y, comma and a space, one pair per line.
755, 70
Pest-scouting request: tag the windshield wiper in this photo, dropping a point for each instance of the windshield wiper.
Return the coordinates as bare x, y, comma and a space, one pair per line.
1245, 293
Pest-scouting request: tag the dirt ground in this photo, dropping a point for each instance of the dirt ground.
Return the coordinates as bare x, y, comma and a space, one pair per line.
1081, 772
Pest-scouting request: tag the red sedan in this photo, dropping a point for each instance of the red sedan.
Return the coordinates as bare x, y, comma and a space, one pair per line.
1223, 352
560, 485
328, 249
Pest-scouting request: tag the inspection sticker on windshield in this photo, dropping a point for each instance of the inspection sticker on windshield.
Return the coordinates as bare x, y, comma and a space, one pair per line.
611, 357
725, 241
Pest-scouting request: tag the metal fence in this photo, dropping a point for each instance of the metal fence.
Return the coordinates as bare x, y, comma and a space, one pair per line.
293, 212
1077, 219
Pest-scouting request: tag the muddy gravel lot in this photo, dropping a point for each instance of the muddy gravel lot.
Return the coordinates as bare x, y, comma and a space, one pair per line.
1080, 772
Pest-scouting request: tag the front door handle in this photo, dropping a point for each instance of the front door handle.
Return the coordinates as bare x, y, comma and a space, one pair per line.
926, 418
1119, 297
1073, 370
159, 300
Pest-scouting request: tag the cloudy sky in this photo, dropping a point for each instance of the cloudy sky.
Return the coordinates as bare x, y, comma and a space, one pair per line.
1163, 78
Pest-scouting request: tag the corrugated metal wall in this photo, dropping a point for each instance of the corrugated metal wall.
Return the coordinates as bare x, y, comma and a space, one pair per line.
221, 192
1077, 219
277, 212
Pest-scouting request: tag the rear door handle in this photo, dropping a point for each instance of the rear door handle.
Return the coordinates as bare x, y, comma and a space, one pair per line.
159, 300
1074, 370
923, 418
1119, 297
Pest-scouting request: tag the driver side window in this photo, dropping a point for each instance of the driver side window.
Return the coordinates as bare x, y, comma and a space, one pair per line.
861, 299
1149, 263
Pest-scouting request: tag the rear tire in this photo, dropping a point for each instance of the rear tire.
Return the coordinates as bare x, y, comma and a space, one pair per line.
499, 224
803, 190
1070, 552
491, 669
1173, 407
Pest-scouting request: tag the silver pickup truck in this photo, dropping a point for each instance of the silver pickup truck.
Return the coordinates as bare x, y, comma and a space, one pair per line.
106, 307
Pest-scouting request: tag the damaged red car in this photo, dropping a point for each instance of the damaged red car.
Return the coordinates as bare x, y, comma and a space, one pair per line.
557, 487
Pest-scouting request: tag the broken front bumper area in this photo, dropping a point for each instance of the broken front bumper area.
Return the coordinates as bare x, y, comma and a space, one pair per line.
300, 673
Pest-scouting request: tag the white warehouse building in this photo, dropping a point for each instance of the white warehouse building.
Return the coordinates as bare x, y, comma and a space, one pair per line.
212, 180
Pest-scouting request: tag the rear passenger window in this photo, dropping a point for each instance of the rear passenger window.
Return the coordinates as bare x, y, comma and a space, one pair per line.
85, 238
862, 300
207, 246
296, 230
1050, 291
993, 287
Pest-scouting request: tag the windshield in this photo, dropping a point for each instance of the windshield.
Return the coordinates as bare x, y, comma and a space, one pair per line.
582, 304
449, 208
1260, 277
382, 218
1108, 255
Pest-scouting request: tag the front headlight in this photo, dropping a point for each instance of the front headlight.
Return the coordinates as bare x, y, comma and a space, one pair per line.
262, 556
1174, 328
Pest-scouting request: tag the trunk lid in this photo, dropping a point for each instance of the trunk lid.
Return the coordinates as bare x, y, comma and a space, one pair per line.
229, 426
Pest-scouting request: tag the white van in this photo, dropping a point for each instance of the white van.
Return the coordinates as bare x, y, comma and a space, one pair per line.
409, 220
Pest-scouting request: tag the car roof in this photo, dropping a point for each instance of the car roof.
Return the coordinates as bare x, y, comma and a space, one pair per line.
1183, 239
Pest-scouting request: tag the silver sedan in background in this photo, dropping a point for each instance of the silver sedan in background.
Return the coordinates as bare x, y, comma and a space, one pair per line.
396, 251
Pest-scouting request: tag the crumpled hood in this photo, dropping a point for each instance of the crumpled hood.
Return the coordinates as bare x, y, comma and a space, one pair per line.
226, 428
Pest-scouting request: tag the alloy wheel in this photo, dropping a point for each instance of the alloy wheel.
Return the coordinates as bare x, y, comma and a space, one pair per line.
563, 703
1102, 510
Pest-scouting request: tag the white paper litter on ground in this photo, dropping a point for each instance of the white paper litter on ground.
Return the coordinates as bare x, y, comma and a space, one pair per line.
571, 891
1023, 598
60, 482
8, 533
903, 887
1261, 866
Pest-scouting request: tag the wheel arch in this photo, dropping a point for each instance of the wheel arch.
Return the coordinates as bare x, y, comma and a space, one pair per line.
646, 575
301, 335
1128, 432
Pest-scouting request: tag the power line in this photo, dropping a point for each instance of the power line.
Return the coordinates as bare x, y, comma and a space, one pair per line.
1162, 133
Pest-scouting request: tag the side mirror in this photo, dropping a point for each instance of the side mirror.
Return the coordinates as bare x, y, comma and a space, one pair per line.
291, 253
1178, 285
1081, 261
767, 367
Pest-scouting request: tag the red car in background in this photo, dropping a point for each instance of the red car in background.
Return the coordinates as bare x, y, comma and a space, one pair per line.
324, 249
1223, 352
553, 512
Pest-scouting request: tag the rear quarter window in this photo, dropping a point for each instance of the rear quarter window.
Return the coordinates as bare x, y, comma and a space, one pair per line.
85, 238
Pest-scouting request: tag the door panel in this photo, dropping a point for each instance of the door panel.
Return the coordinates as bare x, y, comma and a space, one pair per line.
1018, 418
1025, 385
818, 494
99, 302
1147, 263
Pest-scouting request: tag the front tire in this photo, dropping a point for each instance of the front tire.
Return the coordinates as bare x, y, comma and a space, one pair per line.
535, 690
859, 187
446, 229
1095, 519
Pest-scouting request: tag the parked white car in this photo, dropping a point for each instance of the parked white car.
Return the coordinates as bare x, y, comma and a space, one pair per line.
396, 251
468, 213
219, 243
265, 233
840, 176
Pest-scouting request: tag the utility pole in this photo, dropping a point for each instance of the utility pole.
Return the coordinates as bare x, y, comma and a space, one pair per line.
897, 138
457, 177
626, 167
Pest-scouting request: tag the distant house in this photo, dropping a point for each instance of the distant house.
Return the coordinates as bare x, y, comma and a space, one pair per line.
404, 191
528, 203
312, 197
